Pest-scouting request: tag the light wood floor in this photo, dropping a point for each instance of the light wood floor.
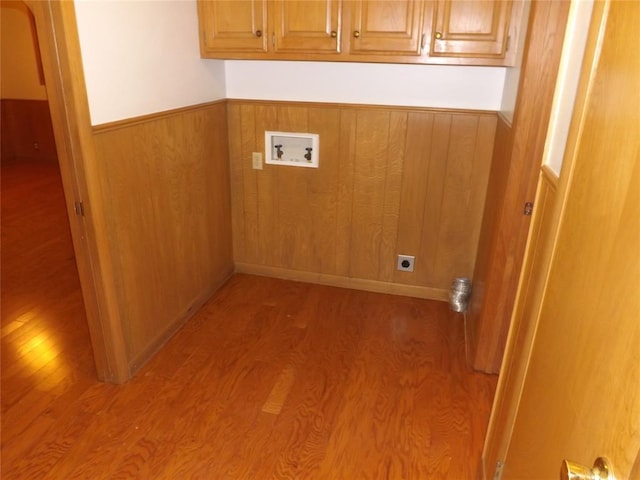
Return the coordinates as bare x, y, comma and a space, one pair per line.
271, 379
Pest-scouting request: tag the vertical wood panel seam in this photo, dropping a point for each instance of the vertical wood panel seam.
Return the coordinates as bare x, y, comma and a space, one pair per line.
438, 221
278, 229
337, 219
402, 182
254, 180
384, 197
353, 134
277, 187
244, 196
402, 178
338, 195
426, 197
349, 176
261, 254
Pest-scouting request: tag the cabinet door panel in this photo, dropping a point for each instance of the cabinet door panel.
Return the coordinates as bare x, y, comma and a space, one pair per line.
470, 28
233, 25
386, 27
311, 26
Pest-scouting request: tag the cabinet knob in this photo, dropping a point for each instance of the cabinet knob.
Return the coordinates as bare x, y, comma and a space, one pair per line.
438, 35
258, 33
334, 34
356, 34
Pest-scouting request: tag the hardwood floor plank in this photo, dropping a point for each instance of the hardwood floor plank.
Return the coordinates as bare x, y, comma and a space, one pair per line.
270, 379
280, 390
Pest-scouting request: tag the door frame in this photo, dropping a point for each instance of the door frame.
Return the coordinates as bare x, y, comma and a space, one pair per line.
550, 202
59, 44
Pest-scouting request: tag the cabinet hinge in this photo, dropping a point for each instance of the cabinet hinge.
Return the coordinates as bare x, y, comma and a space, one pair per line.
78, 207
506, 47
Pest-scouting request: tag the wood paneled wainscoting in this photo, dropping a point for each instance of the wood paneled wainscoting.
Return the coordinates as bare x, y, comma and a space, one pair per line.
26, 130
165, 187
391, 181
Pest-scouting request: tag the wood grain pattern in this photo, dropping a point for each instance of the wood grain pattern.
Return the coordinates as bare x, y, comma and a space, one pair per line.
391, 181
372, 137
26, 130
522, 333
389, 31
344, 281
595, 216
280, 391
346, 171
165, 181
331, 366
375, 386
232, 26
516, 163
386, 28
471, 28
305, 27
47, 359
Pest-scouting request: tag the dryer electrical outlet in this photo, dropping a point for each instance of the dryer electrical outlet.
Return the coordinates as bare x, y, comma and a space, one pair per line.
293, 149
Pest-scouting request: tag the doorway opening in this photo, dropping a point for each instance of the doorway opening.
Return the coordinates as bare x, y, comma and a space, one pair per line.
45, 335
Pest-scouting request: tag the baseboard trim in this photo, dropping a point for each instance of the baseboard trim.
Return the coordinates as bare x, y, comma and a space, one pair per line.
145, 355
344, 282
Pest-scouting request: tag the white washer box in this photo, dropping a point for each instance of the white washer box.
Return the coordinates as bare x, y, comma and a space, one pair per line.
293, 149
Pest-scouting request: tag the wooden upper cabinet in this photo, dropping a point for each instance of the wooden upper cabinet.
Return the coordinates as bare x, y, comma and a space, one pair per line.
471, 32
306, 26
386, 27
470, 28
229, 27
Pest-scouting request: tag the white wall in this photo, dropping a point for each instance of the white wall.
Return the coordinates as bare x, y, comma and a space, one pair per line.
19, 78
567, 84
512, 76
142, 56
382, 84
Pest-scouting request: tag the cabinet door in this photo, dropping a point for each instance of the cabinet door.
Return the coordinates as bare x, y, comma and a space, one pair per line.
470, 28
386, 27
306, 26
228, 26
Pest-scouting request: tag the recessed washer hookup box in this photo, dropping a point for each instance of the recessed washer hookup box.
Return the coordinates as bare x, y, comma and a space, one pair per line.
293, 149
